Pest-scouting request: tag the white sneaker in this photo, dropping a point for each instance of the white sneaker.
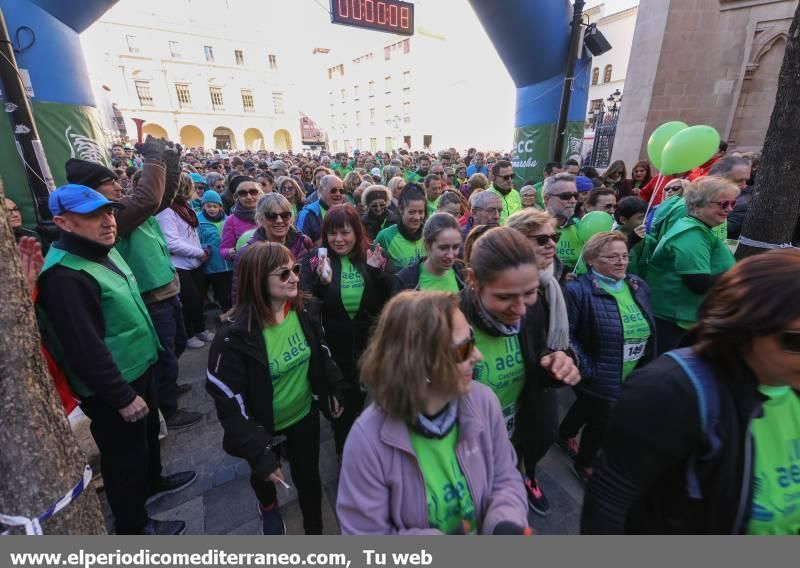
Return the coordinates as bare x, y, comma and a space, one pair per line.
195, 343
206, 336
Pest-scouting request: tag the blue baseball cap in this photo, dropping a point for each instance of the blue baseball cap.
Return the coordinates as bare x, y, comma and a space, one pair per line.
583, 183
74, 198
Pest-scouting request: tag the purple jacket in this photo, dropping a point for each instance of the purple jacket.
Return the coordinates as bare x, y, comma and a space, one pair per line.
231, 231
381, 488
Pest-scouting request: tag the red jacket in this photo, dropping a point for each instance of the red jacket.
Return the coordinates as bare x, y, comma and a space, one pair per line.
647, 191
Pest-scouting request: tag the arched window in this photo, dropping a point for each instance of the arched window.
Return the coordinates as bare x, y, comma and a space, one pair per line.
595, 75
607, 74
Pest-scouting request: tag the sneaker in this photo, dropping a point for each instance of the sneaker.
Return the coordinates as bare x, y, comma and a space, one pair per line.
536, 499
271, 520
582, 473
183, 389
164, 528
194, 343
169, 484
206, 336
571, 447
183, 419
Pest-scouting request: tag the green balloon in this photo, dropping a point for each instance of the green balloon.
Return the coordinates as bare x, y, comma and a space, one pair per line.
689, 148
593, 223
659, 139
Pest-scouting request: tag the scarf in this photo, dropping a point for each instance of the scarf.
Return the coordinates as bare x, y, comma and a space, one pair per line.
558, 327
214, 218
438, 426
185, 212
246, 215
607, 282
488, 321
407, 234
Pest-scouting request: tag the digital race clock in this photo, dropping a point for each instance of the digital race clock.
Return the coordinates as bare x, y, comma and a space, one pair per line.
391, 16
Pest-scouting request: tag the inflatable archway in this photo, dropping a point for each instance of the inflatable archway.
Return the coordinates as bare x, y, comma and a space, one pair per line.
532, 38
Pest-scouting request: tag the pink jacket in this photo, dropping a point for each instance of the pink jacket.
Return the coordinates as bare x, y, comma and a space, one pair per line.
381, 488
231, 231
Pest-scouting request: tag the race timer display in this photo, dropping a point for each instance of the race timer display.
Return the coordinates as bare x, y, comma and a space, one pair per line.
385, 15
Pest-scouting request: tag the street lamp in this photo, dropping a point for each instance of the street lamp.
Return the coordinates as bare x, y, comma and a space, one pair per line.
614, 100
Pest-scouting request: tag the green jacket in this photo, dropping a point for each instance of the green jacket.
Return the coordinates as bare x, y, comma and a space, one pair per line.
145, 252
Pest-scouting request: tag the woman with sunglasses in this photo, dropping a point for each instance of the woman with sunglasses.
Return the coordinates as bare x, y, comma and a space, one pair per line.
704, 440
270, 373
430, 455
439, 270
403, 242
524, 347
290, 189
612, 333
353, 288
376, 199
689, 259
274, 225
242, 217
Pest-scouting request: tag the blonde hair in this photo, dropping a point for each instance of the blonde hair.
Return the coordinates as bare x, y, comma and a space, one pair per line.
399, 383
704, 190
528, 220
595, 245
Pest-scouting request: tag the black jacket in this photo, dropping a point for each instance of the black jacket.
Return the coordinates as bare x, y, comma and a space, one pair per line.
374, 226
639, 484
240, 384
736, 217
408, 278
347, 337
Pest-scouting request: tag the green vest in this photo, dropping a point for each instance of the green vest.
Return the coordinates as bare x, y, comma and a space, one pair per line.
511, 203
129, 335
145, 252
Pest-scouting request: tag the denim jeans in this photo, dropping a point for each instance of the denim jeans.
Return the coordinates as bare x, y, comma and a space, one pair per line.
167, 318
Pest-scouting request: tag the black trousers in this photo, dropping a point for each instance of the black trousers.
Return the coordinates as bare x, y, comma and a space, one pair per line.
670, 336
167, 316
590, 413
353, 405
301, 449
193, 291
536, 429
221, 283
130, 457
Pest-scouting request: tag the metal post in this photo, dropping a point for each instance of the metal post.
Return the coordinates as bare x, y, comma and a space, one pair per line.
569, 79
17, 107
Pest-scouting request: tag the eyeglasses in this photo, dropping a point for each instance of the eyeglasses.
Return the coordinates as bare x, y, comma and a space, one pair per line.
271, 216
543, 240
507, 178
610, 207
284, 274
13, 209
616, 258
567, 195
790, 341
287, 188
243, 192
464, 349
335, 190
725, 204
220, 186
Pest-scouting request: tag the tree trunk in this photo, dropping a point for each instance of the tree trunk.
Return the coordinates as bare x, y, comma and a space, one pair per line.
775, 208
39, 457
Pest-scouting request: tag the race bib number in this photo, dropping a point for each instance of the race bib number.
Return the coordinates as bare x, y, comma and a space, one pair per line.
510, 417
633, 351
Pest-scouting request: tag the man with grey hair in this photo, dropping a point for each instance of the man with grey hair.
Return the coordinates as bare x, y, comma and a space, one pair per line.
560, 196
485, 207
331, 192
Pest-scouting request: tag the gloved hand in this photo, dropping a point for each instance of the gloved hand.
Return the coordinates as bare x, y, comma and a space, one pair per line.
509, 528
172, 155
464, 527
152, 148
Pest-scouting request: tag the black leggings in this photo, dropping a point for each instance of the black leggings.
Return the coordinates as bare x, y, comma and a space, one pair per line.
590, 413
221, 283
353, 404
193, 289
669, 336
301, 449
536, 429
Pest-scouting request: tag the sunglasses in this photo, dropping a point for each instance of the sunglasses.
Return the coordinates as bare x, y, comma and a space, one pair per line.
543, 240
464, 349
790, 341
287, 188
244, 192
220, 186
271, 216
673, 188
567, 195
284, 274
725, 204
335, 190
507, 178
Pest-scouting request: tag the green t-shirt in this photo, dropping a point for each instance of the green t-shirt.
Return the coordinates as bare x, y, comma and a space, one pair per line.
502, 370
776, 482
512, 203
569, 246
432, 205
635, 329
244, 239
400, 250
413, 177
444, 283
677, 210
446, 490
539, 187
689, 247
352, 287
289, 355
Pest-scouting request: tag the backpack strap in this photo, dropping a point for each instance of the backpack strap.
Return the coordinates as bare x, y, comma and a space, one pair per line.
702, 378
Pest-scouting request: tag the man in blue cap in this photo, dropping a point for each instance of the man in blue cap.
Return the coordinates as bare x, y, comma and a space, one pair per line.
97, 327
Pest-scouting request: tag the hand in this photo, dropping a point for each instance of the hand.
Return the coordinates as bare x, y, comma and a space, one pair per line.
375, 258
172, 155
324, 271
152, 148
509, 528
31, 260
135, 410
336, 408
640, 231
204, 257
561, 368
276, 476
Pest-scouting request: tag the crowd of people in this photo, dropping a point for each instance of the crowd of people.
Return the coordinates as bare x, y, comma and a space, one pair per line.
433, 308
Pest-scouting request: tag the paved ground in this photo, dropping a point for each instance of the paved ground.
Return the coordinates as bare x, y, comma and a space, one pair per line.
222, 502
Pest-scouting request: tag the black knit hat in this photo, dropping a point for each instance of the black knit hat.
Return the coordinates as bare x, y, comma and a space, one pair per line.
90, 174
235, 181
